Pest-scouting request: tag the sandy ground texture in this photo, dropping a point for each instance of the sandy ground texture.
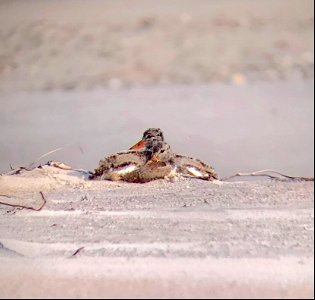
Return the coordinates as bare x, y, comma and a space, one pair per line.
47, 45
191, 238
229, 82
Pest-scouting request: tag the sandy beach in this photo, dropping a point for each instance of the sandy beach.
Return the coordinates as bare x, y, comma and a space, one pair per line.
228, 82
185, 239
234, 129
48, 45
189, 238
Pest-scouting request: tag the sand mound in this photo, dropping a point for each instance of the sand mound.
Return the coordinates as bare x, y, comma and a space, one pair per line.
27, 188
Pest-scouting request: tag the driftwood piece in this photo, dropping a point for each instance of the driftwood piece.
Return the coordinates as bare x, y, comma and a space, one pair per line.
273, 175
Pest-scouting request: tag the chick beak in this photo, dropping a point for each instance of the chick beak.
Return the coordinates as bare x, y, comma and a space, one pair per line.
139, 146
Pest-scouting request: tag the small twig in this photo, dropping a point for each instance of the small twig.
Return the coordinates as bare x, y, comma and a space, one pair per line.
44, 155
17, 171
24, 206
264, 173
77, 251
31, 165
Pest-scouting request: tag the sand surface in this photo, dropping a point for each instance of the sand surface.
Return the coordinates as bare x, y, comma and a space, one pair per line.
191, 238
233, 128
48, 45
229, 82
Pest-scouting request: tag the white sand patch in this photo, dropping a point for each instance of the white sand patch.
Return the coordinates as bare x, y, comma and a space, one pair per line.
197, 213
43, 179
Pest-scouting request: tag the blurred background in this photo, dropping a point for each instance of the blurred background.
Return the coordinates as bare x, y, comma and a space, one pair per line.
228, 81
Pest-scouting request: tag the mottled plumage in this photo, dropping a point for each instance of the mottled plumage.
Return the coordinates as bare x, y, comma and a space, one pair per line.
151, 158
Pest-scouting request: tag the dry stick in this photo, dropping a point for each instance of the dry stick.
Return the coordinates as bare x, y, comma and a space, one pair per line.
24, 206
263, 173
17, 171
30, 167
46, 154
77, 251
